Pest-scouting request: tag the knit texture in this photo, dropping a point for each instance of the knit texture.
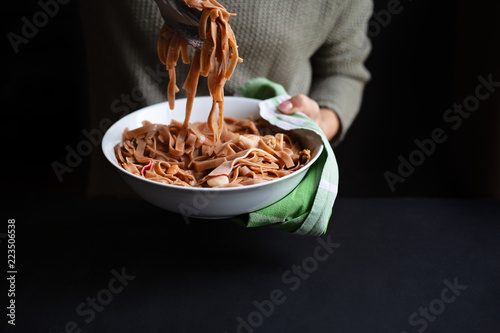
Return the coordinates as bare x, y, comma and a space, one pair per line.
311, 47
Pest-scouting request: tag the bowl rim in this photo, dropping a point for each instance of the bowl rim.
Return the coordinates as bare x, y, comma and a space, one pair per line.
202, 189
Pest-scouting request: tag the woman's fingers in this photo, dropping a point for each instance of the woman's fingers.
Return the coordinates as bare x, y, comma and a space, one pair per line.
326, 119
300, 103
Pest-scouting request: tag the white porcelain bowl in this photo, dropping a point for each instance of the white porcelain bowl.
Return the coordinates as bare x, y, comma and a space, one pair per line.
203, 202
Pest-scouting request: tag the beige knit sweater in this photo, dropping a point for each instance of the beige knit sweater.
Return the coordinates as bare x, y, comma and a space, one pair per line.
312, 47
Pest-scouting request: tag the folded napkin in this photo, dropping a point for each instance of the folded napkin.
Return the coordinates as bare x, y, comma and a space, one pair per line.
307, 209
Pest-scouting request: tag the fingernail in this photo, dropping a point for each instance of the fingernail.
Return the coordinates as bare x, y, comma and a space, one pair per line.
285, 106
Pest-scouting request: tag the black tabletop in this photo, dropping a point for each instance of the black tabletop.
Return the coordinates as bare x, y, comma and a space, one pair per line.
384, 265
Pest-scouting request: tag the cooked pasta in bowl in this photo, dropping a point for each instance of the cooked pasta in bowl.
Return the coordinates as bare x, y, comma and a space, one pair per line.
249, 166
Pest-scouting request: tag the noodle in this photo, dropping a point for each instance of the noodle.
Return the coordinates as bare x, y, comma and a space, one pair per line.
216, 59
222, 152
248, 152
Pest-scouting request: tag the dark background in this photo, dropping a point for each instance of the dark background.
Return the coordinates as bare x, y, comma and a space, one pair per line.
425, 58
395, 254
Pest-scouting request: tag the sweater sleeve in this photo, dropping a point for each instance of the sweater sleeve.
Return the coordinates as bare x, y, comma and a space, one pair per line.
339, 74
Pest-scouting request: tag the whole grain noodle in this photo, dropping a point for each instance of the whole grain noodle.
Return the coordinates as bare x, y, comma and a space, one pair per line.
216, 60
225, 153
248, 152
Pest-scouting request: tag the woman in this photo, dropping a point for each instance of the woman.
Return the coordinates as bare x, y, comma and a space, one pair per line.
314, 49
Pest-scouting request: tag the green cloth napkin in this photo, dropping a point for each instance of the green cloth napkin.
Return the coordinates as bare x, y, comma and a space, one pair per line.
307, 209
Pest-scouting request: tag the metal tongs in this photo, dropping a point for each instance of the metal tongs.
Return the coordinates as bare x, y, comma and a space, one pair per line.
181, 18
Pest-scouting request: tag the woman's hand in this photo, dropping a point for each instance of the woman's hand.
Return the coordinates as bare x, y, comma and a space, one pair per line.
326, 119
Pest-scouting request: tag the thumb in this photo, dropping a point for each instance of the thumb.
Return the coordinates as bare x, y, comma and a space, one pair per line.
286, 107
295, 104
